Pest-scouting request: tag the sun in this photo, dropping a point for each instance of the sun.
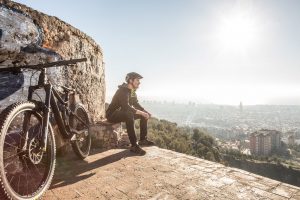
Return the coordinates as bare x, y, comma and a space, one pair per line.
237, 32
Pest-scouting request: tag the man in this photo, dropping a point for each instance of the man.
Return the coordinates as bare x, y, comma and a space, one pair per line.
125, 107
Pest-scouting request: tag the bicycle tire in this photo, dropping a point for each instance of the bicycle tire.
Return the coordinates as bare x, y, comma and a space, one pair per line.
80, 110
6, 117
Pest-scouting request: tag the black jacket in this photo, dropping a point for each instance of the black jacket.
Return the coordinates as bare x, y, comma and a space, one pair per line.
124, 99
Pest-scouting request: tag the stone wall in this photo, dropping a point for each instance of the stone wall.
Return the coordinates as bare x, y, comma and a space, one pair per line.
30, 37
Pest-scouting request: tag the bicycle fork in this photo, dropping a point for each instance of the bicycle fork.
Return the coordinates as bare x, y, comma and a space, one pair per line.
45, 119
46, 111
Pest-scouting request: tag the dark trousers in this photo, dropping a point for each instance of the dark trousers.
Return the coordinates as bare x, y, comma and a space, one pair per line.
129, 117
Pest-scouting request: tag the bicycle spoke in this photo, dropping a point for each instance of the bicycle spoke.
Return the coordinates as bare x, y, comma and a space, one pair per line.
6, 151
37, 170
26, 179
27, 170
19, 184
12, 138
11, 145
13, 155
11, 179
21, 136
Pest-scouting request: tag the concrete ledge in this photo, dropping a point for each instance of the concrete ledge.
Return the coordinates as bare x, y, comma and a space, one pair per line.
105, 136
160, 174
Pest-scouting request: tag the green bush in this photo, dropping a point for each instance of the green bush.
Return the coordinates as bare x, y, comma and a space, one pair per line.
186, 140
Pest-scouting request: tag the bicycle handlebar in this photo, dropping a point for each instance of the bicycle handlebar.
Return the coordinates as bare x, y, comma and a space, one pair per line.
45, 65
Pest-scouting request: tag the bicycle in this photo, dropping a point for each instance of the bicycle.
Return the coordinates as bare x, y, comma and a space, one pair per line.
27, 142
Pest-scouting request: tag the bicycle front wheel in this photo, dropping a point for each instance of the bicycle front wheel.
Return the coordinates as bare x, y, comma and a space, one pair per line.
26, 170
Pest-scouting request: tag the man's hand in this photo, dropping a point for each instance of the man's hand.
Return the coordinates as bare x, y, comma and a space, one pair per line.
149, 114
146, 115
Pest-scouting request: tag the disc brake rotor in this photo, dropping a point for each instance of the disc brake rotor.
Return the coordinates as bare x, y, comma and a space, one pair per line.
35, 152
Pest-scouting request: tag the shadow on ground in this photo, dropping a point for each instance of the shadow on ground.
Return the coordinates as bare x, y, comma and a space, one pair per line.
68, 169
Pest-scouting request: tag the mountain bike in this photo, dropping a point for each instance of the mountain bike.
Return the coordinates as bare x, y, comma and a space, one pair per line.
27, 142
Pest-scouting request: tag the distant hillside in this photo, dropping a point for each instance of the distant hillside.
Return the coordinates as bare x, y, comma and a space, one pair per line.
277, 171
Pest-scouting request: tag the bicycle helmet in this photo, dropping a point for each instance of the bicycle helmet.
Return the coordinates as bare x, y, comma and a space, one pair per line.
132, 75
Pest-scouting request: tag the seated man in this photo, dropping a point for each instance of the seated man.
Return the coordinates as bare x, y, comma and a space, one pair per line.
124, 107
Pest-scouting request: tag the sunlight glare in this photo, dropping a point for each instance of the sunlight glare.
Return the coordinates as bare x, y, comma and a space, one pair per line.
237, 32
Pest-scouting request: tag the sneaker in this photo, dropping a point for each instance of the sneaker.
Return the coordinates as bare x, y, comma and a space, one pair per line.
146, 142
137, 149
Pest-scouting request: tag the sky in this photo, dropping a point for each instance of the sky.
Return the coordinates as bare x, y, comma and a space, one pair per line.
205, 51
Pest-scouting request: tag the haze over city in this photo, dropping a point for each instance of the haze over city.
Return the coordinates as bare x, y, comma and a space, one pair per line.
220, 52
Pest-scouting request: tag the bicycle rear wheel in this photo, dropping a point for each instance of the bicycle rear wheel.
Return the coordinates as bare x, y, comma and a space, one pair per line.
26, 171
80, 122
